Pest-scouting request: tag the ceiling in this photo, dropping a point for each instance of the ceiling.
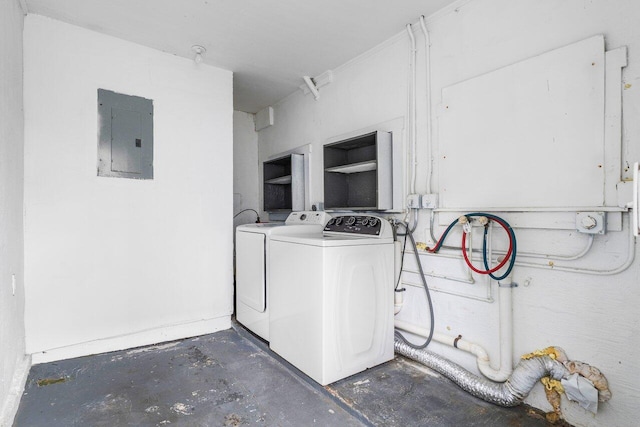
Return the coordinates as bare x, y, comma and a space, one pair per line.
268, 44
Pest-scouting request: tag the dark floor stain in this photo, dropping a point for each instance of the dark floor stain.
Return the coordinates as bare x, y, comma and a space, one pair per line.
49, 381
197, 356
233, 420
231, 397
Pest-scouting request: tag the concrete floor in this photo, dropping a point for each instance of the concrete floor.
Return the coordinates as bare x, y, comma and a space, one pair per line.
230, 378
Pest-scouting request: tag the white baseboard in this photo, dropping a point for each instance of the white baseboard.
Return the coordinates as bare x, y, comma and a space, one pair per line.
136, 339
9, 409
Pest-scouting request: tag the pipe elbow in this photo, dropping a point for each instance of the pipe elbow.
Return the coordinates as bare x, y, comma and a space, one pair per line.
497, 376
480, 353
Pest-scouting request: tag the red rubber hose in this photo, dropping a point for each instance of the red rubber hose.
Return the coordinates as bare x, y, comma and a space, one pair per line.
499, 266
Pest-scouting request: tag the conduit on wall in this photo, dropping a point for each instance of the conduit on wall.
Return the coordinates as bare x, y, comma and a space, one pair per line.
631, 254
427, 59
412, 107
631, 251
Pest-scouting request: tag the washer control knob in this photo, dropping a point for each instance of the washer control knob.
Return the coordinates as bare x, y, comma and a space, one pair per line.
351, 220
331, 221
365, 221
373, 222
339, 220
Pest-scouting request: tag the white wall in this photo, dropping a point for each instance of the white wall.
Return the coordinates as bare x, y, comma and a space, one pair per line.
245, 168
113, 263
14, 366
594, 318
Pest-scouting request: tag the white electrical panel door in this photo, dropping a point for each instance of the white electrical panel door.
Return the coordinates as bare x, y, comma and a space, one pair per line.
529, 135
125, 137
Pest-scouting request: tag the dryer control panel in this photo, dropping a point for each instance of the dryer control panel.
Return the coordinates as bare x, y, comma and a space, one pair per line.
365, 225
308, 217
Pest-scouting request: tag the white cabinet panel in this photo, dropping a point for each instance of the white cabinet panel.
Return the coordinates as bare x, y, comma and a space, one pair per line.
527, 135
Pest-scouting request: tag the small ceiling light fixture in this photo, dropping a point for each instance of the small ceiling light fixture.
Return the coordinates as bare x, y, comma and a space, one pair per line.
199, 51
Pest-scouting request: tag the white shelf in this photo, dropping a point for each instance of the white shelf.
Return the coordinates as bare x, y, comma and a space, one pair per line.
281, 180
370, 165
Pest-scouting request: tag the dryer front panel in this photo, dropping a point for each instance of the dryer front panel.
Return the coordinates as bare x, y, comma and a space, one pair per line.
250, 270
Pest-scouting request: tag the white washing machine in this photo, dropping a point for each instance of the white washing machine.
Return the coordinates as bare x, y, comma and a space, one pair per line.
332, 297
252, 265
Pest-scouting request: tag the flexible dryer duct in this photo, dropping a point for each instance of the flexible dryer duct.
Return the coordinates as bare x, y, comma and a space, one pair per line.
510, 393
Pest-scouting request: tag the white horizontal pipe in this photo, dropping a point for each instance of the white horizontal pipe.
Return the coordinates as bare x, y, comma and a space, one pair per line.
441, 276
505, 369
482, 357
432, 288
475, 349
631, 254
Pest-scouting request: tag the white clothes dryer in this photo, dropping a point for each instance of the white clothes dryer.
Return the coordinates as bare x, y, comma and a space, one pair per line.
252, 265
332, 297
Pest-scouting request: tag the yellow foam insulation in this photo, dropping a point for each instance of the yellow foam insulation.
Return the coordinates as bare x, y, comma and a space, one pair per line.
552, 389
421, 246
551, 384
552, 352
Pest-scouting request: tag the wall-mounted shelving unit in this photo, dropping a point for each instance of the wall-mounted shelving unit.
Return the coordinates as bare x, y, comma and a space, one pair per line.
358, 173
284, 184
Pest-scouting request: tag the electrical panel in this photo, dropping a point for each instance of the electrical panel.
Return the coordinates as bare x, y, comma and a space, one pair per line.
125, 141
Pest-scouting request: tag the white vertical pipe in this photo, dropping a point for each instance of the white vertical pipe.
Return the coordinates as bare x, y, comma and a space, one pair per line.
427, 59
412, 109
505, 301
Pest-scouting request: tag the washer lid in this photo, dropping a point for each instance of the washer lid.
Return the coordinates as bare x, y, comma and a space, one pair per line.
262, 227
273, 229
325, 240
